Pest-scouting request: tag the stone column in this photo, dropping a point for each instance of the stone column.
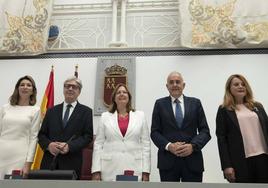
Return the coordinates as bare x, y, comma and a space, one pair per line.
123, 23
114, 21
121, 42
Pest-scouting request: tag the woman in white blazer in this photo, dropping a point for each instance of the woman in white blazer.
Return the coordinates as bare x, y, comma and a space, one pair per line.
122, 140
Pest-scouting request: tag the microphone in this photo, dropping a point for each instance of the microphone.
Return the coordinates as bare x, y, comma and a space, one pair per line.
53, 163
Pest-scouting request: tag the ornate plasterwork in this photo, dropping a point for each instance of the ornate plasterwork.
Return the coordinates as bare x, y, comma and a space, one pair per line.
223, 24
213, 24
27, 34
257, 31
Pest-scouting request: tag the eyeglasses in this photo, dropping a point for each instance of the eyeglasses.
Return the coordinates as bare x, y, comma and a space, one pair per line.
69, 86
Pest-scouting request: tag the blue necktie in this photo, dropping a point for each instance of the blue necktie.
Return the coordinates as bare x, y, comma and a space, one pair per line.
66, 115
178, 113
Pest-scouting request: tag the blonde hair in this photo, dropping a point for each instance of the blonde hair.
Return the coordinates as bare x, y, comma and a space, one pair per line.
229, 100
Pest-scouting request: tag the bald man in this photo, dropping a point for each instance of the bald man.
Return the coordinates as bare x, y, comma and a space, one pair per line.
179, 130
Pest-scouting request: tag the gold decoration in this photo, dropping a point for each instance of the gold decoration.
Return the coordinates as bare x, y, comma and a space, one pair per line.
115, 70
26, 34
257, 32
213, 25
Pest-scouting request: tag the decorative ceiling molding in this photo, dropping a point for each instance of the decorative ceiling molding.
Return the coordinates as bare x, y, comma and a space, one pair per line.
165, 5
147, 24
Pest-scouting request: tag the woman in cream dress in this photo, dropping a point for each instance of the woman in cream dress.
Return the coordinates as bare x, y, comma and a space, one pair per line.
19, 126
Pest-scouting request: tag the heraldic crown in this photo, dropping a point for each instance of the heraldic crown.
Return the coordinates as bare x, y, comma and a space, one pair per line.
116, 70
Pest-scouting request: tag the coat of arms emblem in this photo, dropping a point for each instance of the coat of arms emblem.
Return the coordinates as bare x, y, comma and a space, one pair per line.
114, 76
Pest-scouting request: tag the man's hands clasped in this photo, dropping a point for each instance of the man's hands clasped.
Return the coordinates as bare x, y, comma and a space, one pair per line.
181, 149
56, 148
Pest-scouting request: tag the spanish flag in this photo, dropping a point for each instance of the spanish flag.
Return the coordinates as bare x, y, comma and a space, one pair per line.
47, 102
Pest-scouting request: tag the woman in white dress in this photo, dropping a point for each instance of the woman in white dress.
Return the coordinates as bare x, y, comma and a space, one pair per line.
19, 126
122, 141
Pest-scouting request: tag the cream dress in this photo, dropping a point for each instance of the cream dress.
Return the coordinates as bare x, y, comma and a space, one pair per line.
19, 126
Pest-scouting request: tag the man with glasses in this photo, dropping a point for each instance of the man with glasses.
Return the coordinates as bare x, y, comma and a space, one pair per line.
179, 130
67, 128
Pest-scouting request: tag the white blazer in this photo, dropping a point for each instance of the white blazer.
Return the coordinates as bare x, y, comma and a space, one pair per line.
114, 153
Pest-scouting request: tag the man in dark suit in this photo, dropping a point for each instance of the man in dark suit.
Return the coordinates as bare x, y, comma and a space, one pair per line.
67, 128
179, 130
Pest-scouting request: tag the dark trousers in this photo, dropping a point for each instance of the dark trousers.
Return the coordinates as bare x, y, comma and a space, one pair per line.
180, 173
258, 168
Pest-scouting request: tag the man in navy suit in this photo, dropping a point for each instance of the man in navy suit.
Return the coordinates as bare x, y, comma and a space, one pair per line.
67, 128
179, 130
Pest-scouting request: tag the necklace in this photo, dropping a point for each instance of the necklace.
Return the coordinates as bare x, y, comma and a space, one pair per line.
123, 115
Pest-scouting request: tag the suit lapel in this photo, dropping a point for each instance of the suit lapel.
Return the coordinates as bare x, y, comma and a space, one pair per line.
233, 117
168, 107
74, 113
114, 124
262, 120
59, 115
131, 123
261, 117
187, 108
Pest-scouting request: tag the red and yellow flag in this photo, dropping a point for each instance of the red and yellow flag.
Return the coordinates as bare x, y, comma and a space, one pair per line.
47, 102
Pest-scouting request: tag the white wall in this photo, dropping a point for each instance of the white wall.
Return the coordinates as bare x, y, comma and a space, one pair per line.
205, 77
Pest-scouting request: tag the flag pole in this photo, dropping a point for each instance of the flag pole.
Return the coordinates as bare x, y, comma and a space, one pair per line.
76, 71
47, 102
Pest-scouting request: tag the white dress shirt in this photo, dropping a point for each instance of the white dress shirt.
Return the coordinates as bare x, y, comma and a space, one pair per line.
174, 110
71, 109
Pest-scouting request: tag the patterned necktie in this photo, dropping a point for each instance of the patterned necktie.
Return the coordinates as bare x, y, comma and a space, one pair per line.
178, 113
66, 115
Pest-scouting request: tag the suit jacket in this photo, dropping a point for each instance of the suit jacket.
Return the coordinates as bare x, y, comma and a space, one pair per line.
194, 130
78, 133
114, 153
230, 141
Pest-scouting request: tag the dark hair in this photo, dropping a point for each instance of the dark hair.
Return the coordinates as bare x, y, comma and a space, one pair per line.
113, 106
14, 98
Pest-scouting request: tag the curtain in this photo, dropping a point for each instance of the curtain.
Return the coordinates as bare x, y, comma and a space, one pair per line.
24, 26
224, 23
